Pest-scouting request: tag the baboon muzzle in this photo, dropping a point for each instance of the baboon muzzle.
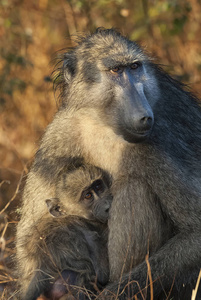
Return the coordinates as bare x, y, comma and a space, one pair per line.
138, 117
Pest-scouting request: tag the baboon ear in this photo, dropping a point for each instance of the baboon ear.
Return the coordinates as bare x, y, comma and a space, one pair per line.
69, 66
54, 207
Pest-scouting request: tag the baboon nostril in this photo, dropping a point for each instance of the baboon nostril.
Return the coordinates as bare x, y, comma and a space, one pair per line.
146, 120
145, 123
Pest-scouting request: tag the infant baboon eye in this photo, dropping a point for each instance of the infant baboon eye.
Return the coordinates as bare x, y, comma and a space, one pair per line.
135, 65
98, 186
88, 196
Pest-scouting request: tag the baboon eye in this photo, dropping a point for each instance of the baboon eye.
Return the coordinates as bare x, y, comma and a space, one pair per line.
98, 186
135, 65
116, 70
88, 196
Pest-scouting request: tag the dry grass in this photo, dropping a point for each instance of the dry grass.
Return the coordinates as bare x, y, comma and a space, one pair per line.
7, 246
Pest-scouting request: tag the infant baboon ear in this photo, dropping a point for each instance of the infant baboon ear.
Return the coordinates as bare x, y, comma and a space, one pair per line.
54, 207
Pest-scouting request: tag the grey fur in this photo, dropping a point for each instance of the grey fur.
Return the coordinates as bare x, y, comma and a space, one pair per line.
142, 127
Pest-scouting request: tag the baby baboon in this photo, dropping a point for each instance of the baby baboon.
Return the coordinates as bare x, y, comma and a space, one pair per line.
122, 113
70, 242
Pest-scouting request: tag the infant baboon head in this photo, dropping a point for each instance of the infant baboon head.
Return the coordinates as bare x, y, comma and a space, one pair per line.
83, 192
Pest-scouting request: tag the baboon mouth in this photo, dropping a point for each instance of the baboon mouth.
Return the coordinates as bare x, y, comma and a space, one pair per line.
135, 136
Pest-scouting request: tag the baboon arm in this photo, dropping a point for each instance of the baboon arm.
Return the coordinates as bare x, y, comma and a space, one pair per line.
136, 227
168, 265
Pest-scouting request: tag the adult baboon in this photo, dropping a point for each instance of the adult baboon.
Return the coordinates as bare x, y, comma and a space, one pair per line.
73, 243
122, 113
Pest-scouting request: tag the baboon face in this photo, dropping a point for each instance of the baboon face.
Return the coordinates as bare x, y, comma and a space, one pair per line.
84, 192
97, 200
120, 89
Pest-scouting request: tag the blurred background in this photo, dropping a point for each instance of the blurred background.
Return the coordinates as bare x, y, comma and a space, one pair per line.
31, 35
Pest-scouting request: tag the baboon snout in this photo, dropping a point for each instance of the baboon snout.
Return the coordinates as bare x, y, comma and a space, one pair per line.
144, 124
141, 123
137, 128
